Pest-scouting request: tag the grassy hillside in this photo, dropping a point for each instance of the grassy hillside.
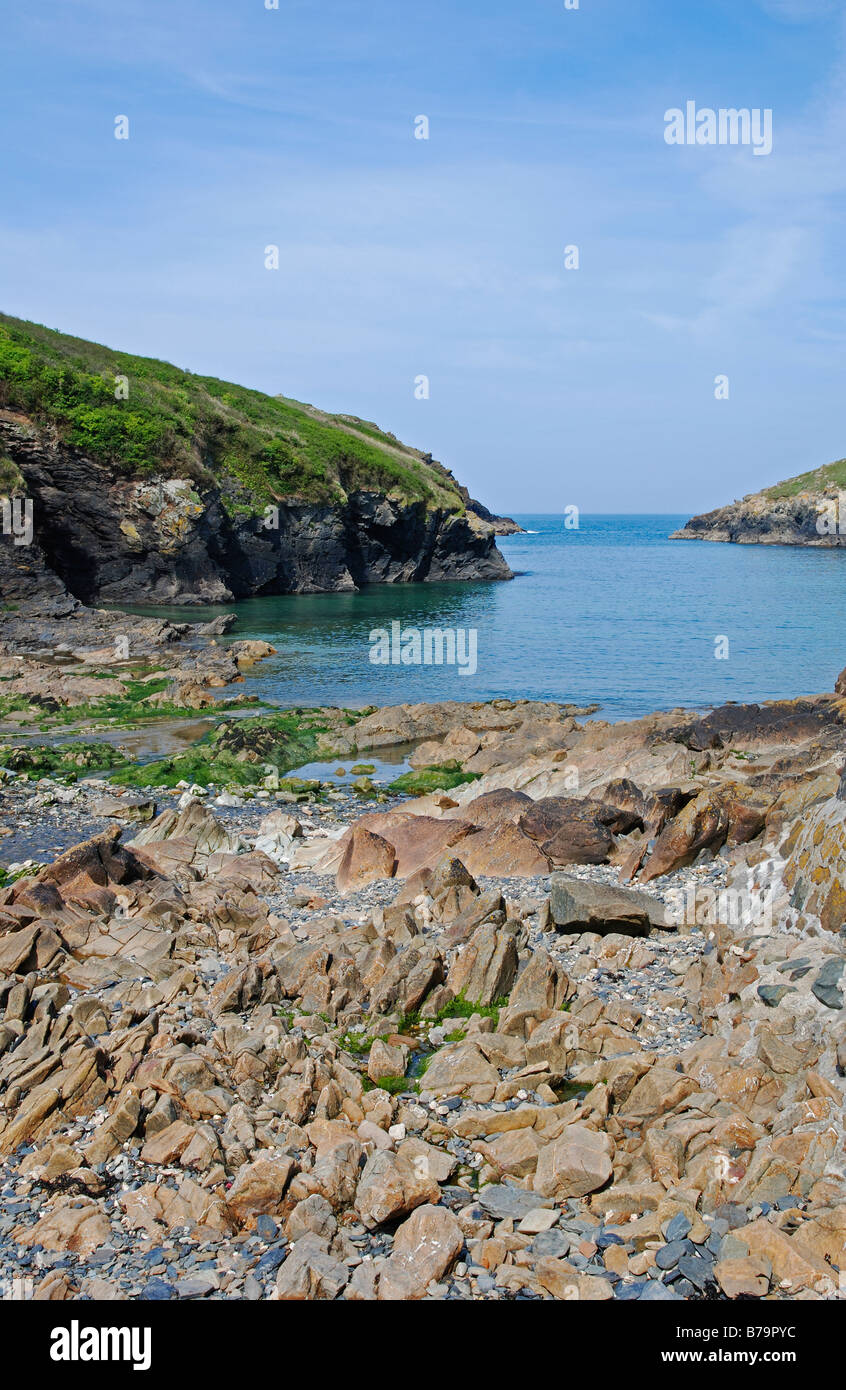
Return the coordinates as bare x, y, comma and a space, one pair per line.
259, 448
831, 475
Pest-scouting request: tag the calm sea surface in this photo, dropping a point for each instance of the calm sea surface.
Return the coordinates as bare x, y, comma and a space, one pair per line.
613, 613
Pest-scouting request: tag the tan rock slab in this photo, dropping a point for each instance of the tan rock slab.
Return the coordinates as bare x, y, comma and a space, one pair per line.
425, 1246
577, 1163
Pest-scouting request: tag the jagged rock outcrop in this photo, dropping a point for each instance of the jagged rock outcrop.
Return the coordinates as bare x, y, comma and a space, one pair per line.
106, 537
806, 510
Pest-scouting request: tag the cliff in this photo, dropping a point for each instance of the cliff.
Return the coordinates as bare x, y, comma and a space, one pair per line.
809, 509
149, 484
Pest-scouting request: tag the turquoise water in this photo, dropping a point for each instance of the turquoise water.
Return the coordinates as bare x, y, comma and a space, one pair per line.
613, 613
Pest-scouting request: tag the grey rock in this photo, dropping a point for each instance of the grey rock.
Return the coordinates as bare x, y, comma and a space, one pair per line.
669, 1255
826, 985
501, 1200
678, 1227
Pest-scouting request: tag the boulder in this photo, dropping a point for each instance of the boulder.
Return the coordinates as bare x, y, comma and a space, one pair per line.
310, 1272
572, 831
578, 905
576, 1164
461, 1069
80, 1227
744, 1277
418, 842
485, 968
259, 1188
393, 1184
425, 1246
366, 858
385, 1060
503, 851
717, 815
541, 985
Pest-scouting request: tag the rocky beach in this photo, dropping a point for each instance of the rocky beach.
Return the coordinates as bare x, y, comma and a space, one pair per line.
556, 1013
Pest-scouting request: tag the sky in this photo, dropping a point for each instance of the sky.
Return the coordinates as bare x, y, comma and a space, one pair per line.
447, 257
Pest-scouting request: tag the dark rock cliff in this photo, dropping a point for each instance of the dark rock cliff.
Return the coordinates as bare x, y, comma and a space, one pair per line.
173, 541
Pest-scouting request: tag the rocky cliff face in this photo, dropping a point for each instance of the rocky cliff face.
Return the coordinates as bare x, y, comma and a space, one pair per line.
807, 510
171, 540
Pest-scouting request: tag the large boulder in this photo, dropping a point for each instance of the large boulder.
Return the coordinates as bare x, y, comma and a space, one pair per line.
485, 969
570, 831
310, 1272
578, 905
367, 857
461, 1069
418, 842
424, 1248
259, 1188
503, 851
392, 1185
719, 815
577, 1163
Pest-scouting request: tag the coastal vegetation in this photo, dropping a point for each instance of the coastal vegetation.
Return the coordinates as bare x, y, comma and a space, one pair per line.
144, 417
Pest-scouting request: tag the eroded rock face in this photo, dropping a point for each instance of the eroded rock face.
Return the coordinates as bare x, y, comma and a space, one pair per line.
773, 517
815, 872
171, 540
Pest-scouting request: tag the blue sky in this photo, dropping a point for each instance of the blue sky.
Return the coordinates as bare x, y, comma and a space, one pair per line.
445, 257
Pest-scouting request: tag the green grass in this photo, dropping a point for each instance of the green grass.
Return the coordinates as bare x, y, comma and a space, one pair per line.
421, 780
11, 478
259, 449
13, 704
6, 878
458, 1008
816, 480
358, 1044
392, 1084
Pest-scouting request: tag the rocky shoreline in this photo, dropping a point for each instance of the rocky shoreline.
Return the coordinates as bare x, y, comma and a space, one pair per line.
807, 510
126, 480
166, 541
558, 1014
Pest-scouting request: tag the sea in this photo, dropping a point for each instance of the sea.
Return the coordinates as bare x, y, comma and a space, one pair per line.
611, 613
